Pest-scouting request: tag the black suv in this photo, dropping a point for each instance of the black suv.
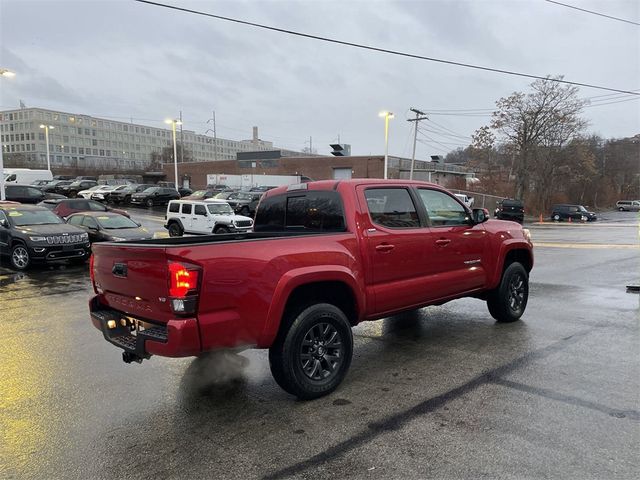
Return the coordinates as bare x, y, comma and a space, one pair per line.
123, 195
571, 212
55, 186
155, 196
71, 190
510, 209
31, 234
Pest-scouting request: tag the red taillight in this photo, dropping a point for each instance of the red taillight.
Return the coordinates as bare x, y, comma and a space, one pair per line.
181, 280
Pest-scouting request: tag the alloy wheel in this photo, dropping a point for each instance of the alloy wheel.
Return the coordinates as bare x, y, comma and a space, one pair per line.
20, 257
321, 352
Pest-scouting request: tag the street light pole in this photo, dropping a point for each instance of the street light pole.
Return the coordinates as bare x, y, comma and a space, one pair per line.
3, 73
46, 138
173, 123
387, 116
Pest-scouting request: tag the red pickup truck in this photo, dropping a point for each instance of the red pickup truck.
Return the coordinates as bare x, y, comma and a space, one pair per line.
323, 257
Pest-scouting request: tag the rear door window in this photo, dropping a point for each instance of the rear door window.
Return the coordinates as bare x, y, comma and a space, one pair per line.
317, 211
186, 208
392, 207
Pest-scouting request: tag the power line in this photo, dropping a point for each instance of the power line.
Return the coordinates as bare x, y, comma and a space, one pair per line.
594, 13
381, 50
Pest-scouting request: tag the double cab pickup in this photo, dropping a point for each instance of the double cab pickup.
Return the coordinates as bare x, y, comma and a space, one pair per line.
323, 257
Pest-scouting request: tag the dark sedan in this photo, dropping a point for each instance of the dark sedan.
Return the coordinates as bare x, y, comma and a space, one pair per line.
55, 186
123, 195
109, 227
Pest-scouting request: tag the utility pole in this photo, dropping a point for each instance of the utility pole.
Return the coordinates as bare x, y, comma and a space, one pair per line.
415, 136
215, 137
181, 141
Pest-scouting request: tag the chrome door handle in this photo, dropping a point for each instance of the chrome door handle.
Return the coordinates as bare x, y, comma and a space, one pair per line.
385, 247
443, 241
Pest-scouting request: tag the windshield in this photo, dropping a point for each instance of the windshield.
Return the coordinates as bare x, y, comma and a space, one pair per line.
94, 188
582, 209
245, 196
112, 222
23, 218
220, 209
151, 190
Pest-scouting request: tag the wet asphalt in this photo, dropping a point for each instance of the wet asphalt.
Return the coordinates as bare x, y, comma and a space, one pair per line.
443, 392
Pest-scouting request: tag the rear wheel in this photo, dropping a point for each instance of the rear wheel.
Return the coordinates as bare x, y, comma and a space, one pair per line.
311, 358
508, 302
20, 258
175, 230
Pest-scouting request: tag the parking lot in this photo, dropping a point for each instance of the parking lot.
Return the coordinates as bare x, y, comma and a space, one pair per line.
443, 392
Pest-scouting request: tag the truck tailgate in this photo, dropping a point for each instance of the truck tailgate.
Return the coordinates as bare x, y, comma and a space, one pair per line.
133, 279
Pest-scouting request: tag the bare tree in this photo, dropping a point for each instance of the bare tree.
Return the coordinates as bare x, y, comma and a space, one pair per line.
538, 125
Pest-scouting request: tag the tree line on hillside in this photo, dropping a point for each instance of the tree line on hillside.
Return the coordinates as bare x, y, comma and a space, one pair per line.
535, 148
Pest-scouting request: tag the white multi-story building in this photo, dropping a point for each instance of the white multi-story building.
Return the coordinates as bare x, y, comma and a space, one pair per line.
78, 140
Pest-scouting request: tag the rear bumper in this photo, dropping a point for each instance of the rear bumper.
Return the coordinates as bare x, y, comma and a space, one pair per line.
141, 338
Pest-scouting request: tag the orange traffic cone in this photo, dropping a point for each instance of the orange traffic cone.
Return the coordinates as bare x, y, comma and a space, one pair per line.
541, 218
569, 219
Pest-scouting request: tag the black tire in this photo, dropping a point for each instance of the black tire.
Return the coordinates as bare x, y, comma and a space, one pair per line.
556, 218
311, 357
245, 211
508, 302
127, 199
175, 230
20, 259
149, 202
221, 230
621, 209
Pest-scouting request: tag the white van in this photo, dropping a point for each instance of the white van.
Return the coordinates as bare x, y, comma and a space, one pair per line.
26, 176
628, 205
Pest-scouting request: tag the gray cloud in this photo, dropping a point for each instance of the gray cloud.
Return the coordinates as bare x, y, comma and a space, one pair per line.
129, 60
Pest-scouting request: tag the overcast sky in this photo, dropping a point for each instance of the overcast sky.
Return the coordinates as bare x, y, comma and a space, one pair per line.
130, 61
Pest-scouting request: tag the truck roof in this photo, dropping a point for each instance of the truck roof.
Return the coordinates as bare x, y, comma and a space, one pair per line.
333, 184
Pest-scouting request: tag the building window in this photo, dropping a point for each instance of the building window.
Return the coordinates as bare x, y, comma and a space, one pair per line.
81, 150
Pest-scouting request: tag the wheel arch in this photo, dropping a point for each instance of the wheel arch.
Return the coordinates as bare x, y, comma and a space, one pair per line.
295, 290
510, 253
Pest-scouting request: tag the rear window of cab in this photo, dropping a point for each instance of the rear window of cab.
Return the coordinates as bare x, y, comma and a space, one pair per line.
310, 211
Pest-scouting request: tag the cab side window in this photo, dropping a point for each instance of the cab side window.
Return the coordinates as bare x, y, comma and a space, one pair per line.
392, 207
186, 208
442, 209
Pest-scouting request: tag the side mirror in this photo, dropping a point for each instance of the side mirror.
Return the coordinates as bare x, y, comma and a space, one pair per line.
480, 215
138, 223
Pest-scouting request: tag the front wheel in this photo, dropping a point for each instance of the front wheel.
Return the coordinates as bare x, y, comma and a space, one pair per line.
20, 258
149, 203
556, 218
221, 230
508, 302
311, 358
621, 209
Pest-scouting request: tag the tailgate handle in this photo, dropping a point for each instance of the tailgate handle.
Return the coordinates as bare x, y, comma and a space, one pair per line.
119, 270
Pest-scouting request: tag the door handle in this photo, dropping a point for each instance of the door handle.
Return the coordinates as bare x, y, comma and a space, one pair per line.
443, 242
385, 247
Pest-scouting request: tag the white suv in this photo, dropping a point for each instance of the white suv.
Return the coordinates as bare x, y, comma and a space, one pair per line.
629, 205
212, 216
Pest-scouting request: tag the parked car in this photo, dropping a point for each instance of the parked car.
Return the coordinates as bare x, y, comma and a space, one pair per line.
71, 190
510, 209
155, 196
562, 212
67, 206
184, 191
55, 186
123, 194
320, 262
201, 195
109, 227
30, 234
102, 194
628, 205
23, 193
245, 203
467, 200
87, 193
205, 217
